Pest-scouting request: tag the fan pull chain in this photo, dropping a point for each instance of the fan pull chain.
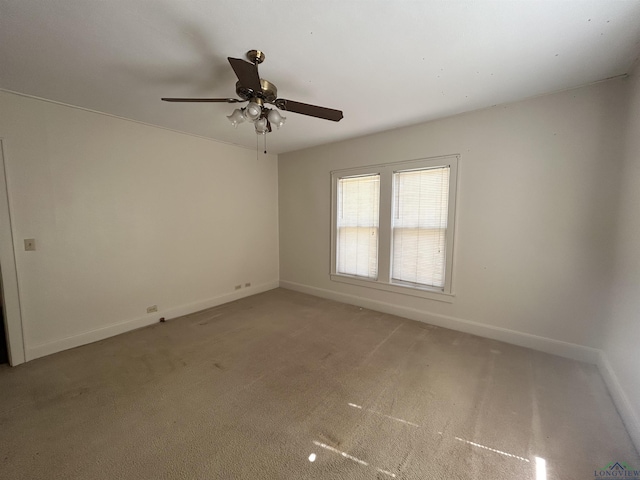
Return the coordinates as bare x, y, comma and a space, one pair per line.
265, 143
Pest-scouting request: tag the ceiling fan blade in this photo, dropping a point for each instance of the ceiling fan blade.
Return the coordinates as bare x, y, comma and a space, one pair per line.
311, 110
213, 100
247, 73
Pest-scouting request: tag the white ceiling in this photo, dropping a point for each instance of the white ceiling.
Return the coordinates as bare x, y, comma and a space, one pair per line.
386, 64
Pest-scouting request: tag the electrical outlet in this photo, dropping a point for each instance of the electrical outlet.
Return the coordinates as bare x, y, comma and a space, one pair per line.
152, 308
238, 287
29, 244
248, 284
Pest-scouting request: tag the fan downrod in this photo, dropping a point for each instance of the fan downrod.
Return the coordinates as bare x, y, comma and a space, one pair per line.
255, 56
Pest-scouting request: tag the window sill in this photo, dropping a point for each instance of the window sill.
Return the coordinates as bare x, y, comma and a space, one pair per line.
388, 287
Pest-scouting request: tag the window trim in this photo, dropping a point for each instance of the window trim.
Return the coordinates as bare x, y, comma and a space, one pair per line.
385, 252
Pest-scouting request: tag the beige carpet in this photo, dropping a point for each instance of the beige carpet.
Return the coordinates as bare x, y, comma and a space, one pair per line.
253, 388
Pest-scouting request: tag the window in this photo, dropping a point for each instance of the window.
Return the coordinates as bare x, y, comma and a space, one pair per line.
419, 226
357, 225
392, 226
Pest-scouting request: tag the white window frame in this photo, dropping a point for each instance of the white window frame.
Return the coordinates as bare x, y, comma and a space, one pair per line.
383, 282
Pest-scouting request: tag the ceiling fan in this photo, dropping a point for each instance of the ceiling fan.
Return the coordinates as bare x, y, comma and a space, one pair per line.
258, 92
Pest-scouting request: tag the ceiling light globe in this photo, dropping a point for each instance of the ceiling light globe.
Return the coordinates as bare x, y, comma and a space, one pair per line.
253, 111
261, 126
236, 118
276, 119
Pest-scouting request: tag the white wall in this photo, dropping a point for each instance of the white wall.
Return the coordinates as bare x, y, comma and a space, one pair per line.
620, 361
537, 188
125, 216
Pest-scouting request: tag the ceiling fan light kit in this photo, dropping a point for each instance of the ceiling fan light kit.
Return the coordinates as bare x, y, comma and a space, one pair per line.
258, 91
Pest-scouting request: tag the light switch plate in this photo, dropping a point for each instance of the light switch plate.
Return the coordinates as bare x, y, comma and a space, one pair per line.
29, 244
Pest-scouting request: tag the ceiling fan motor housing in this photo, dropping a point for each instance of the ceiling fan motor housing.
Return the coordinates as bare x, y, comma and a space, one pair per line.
268, 92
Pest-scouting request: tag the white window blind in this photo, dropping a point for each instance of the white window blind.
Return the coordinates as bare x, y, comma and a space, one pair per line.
358, 225
419, 226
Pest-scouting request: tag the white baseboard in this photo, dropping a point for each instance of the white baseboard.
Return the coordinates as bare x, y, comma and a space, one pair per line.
60, 344
543, 344
629, 416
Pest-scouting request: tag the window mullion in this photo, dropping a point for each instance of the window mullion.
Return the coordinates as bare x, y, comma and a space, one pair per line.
453, 178
384, 239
